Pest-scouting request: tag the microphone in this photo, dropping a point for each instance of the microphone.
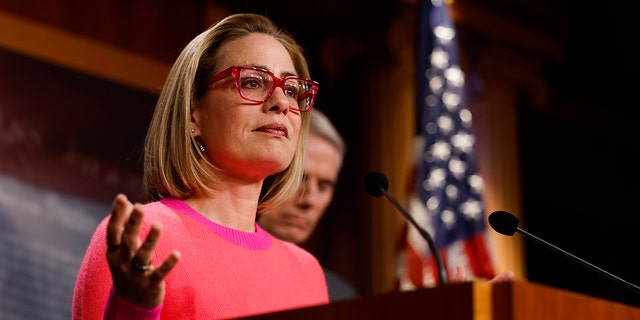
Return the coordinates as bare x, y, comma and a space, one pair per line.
507, 224
376, 184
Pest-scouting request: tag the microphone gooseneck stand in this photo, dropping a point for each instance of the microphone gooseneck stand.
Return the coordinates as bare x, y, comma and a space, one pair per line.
507, 224
376, 185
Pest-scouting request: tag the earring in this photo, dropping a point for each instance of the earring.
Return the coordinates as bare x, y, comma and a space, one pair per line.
201, 147
193, 130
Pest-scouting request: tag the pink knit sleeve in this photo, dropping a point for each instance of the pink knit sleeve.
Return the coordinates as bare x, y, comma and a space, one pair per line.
117, 308
94, 296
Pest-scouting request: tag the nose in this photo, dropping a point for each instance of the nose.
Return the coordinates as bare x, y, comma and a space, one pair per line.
277, 102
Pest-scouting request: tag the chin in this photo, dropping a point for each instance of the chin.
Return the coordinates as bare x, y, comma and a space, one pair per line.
277, 166
295, 239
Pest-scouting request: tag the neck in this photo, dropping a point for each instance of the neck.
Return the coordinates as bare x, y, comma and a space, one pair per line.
234, 207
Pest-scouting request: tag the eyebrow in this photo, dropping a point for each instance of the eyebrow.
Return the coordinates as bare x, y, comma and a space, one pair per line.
327, 182
282, 75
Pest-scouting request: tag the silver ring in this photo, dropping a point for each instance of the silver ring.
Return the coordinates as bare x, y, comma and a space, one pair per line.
141, 268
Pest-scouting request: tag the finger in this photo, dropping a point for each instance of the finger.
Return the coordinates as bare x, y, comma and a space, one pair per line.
461, 273
140, 267
165, 267
503, 277
115, 227
508, 275
144, 254
131, 234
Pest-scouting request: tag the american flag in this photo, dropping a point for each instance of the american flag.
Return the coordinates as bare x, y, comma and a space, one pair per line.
447, 202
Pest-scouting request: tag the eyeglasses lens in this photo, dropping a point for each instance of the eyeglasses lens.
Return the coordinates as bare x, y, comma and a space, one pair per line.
258, 85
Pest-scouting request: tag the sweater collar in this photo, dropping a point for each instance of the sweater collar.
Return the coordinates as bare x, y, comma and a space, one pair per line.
258, 240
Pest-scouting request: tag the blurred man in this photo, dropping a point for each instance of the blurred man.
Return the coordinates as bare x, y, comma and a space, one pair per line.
296, 219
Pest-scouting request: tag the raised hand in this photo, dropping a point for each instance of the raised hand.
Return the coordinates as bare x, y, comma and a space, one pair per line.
461, 276
135, 279
503, 277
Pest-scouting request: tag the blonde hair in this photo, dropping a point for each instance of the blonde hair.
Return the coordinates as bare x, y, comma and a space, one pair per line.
171, 160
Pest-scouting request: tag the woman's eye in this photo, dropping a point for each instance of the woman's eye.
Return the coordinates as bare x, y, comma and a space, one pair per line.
252, 82
291, 91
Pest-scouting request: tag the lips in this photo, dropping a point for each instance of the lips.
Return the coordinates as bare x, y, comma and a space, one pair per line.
274, 129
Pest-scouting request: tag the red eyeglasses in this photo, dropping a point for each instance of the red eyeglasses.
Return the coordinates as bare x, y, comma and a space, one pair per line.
257, 85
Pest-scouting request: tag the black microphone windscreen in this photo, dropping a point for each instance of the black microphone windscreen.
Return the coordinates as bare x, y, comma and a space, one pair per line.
374, 181
503, 222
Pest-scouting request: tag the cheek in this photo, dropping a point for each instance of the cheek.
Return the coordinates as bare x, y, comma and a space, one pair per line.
221, 125
291, 203
296, 123
323, 202
207, 115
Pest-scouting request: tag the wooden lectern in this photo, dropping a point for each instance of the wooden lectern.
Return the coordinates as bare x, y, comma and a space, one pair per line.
515, 300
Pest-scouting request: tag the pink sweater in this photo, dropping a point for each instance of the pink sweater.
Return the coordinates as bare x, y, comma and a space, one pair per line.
222, 273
